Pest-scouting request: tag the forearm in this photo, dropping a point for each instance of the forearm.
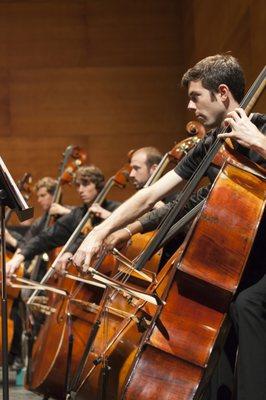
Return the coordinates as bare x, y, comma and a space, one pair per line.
135, 227
12, 241
47, 240
127, 212
138, 204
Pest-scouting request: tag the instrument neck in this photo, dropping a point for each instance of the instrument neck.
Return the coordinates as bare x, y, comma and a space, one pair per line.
158, 171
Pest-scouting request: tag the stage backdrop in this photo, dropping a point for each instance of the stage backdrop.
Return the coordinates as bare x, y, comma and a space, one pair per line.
105, 75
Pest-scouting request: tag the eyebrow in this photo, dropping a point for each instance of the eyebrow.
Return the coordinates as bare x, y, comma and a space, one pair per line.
82, 181
193, 93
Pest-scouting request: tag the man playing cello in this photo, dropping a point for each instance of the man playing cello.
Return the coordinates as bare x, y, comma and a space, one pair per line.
215, 88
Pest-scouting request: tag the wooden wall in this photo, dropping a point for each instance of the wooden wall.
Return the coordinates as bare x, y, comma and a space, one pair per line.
236, 26
104, 74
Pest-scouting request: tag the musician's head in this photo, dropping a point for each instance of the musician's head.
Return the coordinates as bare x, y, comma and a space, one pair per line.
215, 86
89, 181
143, 163
45, 189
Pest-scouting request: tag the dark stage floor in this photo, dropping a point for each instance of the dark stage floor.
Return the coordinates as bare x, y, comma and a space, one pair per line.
19, 393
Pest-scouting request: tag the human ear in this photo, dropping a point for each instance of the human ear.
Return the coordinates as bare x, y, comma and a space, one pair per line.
153, 168
223, 91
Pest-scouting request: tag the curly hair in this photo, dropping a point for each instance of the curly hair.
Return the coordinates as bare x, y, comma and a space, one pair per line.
46, 182
92, 174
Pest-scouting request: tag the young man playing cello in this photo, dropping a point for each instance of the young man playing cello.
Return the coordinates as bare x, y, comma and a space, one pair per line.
89, 182
215, 88
44, 189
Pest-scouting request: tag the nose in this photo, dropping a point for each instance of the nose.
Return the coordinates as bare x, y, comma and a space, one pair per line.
132, 173
80, 189
191, 106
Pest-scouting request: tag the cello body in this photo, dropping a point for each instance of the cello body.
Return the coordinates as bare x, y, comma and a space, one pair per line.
49, 361
175, 355
49, 368
12, 293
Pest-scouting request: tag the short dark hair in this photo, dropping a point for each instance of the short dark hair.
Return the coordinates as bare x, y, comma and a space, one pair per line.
46, 182
215, 70
91, 173
153, 155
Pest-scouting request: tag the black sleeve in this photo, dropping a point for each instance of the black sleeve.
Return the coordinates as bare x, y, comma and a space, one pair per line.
56, 235
74, 247
152, 219
109, 205
34, 230
187, 166
197, 197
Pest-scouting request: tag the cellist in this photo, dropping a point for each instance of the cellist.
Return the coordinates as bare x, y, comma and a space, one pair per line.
248, 311
144, 162
89, 181
215, 88
44, 189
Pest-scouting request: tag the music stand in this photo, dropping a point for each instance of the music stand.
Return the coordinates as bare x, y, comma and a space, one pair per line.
9, 196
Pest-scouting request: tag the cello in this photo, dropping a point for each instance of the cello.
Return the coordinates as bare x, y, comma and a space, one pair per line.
179, 150
24, 185
196, 131
176, 354
49, 370
73, 157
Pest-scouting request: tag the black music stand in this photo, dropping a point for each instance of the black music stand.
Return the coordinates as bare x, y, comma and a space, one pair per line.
9, 196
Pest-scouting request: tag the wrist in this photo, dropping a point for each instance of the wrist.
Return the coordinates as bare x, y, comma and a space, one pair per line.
101, 231
106, 214
13, 242
19, 257
127, 229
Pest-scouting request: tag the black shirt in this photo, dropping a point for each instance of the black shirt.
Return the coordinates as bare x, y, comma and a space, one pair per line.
186, 167
58, 234
189, 164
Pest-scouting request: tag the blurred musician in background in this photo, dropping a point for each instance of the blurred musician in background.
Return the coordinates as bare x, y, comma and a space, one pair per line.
144, 162
44, 189
89, 182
